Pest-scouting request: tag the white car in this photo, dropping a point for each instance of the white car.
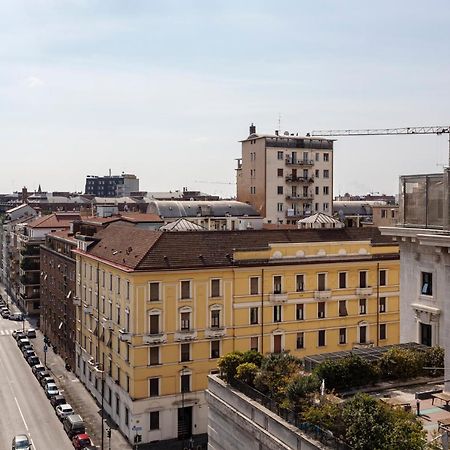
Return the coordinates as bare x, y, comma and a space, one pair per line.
51, 389
64, 410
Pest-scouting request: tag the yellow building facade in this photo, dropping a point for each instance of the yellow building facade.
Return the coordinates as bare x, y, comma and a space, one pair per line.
156, 311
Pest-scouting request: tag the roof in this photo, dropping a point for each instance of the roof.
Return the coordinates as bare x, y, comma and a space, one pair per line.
63, 235
55, 220
18, 208
285, 136
137, 217
201, 208
182, 225
320, 218
145, 250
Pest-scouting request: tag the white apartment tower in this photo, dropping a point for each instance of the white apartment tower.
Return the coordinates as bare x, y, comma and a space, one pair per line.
286, 177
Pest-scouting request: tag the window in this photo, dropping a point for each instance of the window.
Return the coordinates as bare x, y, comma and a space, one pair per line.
215, 349
427, 283
185, 321
118, 285
154, 292
277, 284
253, 316
342, 280
382, 304
280, 190
117, 405
300, 340
321, 338
321, 310
362, 306
215, 318
363, 279
154, 387
277, 313
325, 206
326, 173
321, 282
383, 277
317, 156
118, 314
185, 382
280, 155
382, 331
342, 308
154, 356
127, 416
185, 352
383, 214
279, 207
326, 190
154, 323
110, 281
363, 334
299, 283
154, 420
317, 175
300, 310
280, 172
254, 343
326, 157
254, 285
185, 289
128, 290
342, 335
277, 343
215, 288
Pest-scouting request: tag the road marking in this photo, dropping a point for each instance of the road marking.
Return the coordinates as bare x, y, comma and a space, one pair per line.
21, 415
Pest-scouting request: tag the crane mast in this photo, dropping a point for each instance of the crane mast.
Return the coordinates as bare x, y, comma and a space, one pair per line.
438, 130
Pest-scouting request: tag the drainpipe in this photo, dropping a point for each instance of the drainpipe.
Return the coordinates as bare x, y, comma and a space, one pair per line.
262, 311
378, 304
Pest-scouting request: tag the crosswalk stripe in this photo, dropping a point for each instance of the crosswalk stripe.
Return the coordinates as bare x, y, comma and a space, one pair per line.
5, 332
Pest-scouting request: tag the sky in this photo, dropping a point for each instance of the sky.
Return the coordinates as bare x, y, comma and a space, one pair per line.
165, 89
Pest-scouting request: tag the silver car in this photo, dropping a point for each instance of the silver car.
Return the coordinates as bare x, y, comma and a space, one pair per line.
21, 442
63, 410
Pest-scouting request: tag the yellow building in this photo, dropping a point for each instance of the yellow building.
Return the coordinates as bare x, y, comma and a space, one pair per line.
156, 310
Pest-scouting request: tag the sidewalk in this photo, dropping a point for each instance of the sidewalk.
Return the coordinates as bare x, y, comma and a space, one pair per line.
72, 389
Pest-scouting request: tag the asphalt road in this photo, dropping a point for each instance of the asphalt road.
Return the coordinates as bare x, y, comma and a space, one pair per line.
24, 408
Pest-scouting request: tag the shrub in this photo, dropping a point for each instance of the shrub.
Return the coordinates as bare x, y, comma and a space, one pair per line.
228, 365
327, 415
298, 390
398, 363
434, 357
252, 356
246, 372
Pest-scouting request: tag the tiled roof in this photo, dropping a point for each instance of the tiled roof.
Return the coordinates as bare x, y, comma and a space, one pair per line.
150, 250
64, 235
140, 217
56, 220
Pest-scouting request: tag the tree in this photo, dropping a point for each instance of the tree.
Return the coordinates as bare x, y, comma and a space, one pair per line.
299, 389
228, 365
246, 372
400, 363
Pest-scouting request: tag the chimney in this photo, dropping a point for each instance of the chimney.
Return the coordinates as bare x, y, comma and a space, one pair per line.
252, 129
276, 132
24, 195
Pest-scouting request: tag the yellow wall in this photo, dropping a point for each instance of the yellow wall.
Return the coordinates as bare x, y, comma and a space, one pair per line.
235, 302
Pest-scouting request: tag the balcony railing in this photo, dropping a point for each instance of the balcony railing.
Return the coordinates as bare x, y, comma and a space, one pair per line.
124, 335
299, 162
322, 295
299, 197
297, 179
364, 291
280, 297
185, 335
215, 332
152, 339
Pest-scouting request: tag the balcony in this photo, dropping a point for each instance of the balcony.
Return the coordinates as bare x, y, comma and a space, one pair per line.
108, 324
87, 309
297, 214
185, 335
366, 344
296, 198
322, 295
77, 301
125, 335
278, 297
296, 179
364, 291
153, 339
299, 162
214, 332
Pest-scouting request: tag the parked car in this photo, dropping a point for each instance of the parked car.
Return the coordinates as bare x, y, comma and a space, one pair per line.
25, 348
28, 353
21, 442
45, 380
63, 411
5, 314
23, 342
33, 360
74, 425
18, 334
31, 333
57, 400
51, 390
16, 316
81, 441
39, 368
42, 374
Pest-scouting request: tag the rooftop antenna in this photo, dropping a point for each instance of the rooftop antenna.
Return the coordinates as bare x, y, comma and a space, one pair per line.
279, 121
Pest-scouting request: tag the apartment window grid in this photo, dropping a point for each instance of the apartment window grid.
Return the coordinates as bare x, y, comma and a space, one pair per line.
300, 311
382, 306
321, 281
299, 283
215, 318
280, 172
363, 279
280, 207
277, 313
321, 338
154, 323
342, 336
215, 287
321, 310
277, 284
185, 287
280, 155
383, 335
254, 345
343, 308
254, 285
153, 387
362, 306
280, 190
185, 321
326, 173
300, 340
185, 352
342, 280
154, 291
254, 315
383, 277
154, 356
215, 349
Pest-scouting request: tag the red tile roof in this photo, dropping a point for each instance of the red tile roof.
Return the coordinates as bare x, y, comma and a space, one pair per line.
151, 250
55, 220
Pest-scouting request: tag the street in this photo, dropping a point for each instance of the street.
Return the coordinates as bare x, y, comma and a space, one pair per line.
24, 406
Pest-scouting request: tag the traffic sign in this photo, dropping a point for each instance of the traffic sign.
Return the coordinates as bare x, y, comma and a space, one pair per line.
45, 348
136, 428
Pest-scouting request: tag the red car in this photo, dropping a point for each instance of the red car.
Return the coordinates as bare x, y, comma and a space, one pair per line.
81, 441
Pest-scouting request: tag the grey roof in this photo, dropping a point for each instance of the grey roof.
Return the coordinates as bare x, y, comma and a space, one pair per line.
361, 208
320, 218
219, 208
182, 225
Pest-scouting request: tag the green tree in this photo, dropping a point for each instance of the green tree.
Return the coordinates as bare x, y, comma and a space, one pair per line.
228, 365
246, 372
327, 416
434, 357
399, 363
299, 389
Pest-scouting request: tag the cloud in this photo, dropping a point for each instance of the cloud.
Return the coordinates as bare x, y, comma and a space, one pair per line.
34, 82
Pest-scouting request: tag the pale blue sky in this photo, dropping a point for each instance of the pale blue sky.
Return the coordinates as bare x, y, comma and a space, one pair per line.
141, 86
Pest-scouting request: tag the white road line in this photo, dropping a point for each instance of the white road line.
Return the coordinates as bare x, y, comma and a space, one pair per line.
21, 415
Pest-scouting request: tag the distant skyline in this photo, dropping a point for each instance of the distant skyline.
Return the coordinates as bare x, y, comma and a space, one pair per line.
165, 89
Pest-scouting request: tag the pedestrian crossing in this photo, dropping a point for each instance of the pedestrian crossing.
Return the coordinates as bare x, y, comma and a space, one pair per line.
6, 332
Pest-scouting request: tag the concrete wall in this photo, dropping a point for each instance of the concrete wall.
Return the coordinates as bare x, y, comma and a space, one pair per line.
237, 422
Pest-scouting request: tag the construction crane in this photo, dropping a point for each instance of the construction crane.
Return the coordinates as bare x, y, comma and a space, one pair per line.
438, 130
